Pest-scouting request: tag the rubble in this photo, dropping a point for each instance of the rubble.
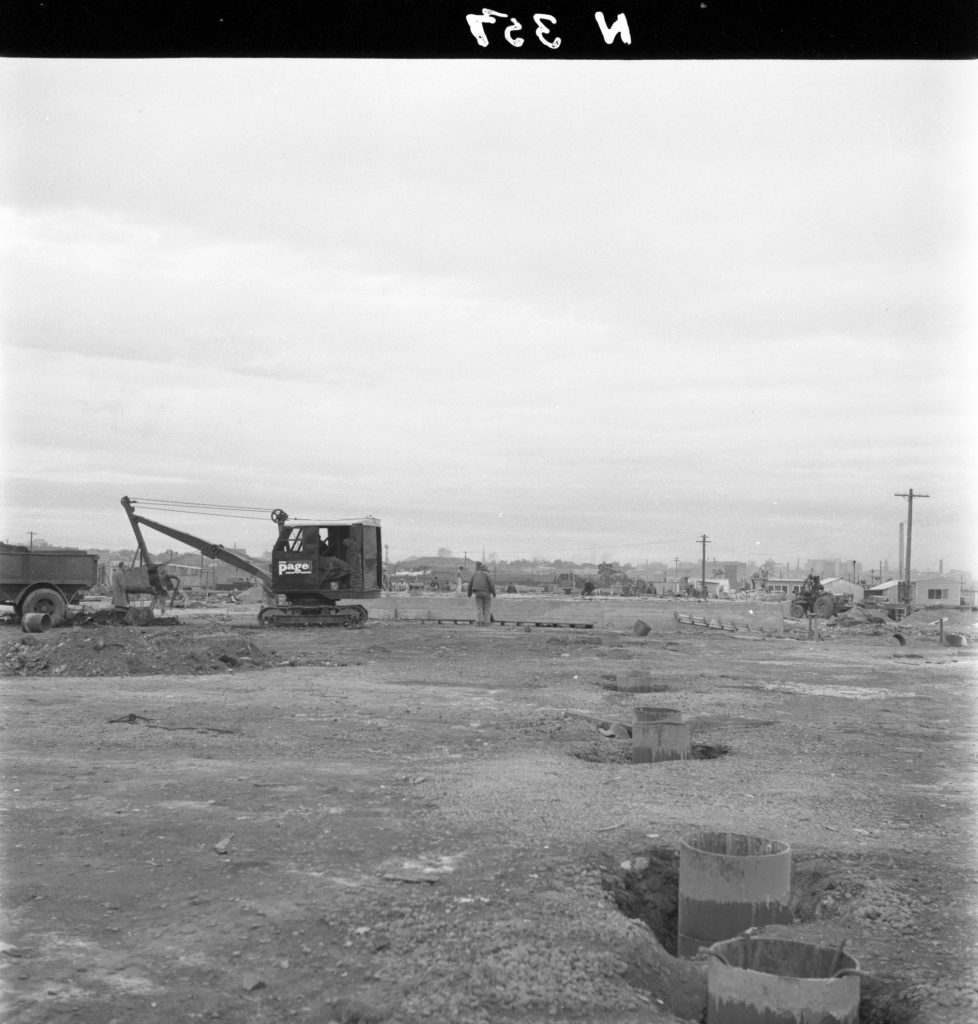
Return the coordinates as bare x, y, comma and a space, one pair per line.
120, 650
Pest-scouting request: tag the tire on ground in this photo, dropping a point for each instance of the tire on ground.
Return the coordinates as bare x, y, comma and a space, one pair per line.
45, 600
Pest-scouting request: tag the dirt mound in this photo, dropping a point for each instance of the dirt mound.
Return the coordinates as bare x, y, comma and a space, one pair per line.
859, 616
964, 620
117, 650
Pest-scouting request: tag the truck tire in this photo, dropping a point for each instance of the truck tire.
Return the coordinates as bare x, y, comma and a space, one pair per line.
797, 610
45, 600
824, 606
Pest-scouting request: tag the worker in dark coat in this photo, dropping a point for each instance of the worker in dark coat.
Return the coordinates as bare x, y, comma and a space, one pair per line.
120, 599
484, 589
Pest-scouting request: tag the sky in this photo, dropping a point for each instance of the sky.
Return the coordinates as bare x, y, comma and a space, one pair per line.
583, 310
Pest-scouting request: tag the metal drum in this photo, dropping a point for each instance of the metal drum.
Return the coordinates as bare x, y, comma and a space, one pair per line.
36, 622
728, 883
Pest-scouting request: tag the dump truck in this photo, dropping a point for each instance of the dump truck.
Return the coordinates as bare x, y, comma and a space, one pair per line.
315, 565
45, 581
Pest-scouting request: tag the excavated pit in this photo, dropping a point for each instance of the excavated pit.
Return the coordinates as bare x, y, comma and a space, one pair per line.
615, 752
645, 887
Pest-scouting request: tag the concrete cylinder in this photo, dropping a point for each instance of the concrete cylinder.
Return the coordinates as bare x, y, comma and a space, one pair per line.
36, 622
780, 981
659, 741
657, 714
728, 883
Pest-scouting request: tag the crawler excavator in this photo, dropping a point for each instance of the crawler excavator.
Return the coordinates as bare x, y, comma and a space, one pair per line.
315, 565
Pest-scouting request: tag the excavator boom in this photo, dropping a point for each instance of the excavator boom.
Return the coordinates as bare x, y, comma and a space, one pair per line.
206, 547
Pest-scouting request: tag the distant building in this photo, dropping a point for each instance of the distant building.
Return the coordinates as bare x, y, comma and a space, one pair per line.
832, 568
735, 572
838, 585
716, 586
927, 592
788, 586
933, 591
884, 593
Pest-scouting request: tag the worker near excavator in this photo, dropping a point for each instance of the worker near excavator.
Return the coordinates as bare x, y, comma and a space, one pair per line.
120, 599
484, 589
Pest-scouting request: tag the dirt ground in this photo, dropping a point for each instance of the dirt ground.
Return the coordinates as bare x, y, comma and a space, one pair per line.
408, 822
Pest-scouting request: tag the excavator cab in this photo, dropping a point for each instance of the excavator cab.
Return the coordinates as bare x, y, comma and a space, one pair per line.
322, 563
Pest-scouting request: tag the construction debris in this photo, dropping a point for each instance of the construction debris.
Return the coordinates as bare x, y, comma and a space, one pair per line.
129, 651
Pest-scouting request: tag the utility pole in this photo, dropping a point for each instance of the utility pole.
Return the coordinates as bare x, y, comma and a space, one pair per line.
676, 560
31, 548
704, 540
910, 497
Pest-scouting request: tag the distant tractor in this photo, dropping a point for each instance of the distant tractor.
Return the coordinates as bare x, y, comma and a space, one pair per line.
814, 599
565, 582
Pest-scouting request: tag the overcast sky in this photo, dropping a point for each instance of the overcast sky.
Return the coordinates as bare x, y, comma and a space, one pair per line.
567, 309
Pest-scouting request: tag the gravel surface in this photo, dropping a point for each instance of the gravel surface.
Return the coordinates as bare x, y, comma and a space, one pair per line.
433, 823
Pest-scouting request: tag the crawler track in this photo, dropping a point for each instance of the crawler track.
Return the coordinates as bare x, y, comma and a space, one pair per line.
301, 616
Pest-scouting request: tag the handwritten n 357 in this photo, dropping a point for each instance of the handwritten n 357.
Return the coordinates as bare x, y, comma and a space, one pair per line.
545, 24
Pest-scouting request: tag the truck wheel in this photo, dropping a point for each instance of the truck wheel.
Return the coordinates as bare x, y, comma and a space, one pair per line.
47, 601
825, 606
797, 610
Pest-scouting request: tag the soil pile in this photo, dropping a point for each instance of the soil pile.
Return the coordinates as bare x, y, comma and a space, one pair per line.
130, 651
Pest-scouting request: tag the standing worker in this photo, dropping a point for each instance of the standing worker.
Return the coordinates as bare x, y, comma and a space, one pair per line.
458, 582
485, 590
120, 599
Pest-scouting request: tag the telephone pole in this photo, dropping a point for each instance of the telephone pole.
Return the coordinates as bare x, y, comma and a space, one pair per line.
906, 562
704, 540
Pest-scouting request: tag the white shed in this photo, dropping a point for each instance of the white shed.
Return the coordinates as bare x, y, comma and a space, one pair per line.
839, 585
887, 592
936, 590
928, 592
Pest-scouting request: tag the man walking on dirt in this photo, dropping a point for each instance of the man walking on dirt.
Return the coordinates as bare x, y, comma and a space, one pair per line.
485, 590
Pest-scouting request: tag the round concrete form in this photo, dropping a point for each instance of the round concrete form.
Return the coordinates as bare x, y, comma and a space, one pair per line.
659, 741
651, 714
36, 622
729, 883
641, 628
780, 981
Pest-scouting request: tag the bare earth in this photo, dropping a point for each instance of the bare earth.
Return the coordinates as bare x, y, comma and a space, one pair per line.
428, 823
